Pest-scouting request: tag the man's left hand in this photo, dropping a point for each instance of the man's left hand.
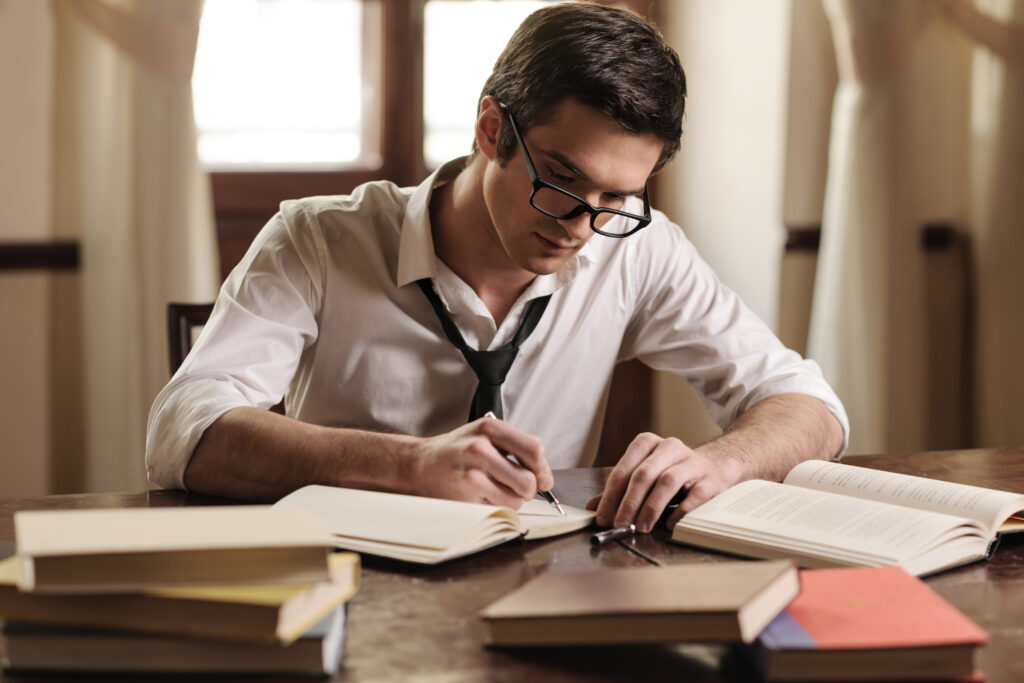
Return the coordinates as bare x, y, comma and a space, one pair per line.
650, 474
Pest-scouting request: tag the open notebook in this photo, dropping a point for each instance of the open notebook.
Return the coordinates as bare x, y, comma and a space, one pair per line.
428, 530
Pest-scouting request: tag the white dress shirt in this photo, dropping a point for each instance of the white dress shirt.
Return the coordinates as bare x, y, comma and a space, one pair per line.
324, 310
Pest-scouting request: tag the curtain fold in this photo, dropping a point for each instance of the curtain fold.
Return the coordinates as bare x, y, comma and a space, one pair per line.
926, 128
997, 229
129, 186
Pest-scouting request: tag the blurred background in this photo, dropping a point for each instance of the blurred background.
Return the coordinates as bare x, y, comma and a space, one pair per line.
853, 168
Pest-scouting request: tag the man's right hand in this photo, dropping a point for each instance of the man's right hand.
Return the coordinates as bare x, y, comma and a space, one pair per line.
471, 464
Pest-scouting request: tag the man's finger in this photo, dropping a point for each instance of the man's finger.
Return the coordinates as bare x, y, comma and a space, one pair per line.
485, 457
618, 480
527, 449
649, 486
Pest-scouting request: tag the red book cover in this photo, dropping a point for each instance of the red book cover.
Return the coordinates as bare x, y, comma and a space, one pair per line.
869, 623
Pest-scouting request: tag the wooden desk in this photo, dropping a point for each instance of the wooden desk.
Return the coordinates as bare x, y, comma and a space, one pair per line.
412, 623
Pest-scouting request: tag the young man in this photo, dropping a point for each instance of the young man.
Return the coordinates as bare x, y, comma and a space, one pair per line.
367, 311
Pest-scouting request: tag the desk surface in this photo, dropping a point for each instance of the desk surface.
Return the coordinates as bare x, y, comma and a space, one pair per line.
409, 623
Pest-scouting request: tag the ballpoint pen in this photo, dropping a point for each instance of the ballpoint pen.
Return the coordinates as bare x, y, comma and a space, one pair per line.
546, 495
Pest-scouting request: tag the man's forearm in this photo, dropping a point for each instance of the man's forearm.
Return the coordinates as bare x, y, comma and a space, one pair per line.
254, 454
778, 433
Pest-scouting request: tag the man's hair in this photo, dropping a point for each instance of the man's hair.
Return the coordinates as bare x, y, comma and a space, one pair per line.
608, 59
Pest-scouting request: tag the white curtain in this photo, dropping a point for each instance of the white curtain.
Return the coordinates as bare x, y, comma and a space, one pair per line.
926, 127
130, 188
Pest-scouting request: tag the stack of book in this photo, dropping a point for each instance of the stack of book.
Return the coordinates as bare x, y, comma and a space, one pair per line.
850, 624
239, 589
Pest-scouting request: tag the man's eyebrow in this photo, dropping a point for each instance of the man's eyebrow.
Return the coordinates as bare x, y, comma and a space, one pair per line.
578, 172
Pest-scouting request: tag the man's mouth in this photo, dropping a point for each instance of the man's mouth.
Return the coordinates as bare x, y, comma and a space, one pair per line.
554, 246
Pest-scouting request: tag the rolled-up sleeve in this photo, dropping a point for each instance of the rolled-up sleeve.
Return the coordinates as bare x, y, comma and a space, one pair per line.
688, 323
266, 314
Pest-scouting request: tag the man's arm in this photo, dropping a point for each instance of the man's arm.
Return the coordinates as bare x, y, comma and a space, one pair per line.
254, 454
764, 442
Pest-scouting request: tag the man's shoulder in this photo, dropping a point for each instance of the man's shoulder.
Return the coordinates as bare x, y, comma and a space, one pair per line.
376, 197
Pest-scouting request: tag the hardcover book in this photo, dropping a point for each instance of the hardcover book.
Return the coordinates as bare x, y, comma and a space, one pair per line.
268, 613
716, 602
108, 550
826, 514
427, 530
43, 647
868, 623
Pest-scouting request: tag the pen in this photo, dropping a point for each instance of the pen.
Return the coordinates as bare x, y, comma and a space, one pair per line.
546, 495
603, 537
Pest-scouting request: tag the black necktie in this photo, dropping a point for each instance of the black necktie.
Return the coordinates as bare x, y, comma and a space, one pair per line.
490, 367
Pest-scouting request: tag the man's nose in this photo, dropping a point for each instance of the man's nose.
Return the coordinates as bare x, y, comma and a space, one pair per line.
578, 227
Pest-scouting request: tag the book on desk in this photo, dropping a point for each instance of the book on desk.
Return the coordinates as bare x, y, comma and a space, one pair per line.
110, 550
711, 602
827, 514
172, 601
428, 530
868, 623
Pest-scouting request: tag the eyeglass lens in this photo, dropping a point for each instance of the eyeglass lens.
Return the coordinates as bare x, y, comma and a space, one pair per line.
559, 204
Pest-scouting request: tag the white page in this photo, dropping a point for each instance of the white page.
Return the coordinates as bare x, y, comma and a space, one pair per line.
395, 518
988, 506
540, 519
764, 509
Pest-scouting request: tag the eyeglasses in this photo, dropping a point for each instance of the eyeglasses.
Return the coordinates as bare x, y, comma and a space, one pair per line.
553, 201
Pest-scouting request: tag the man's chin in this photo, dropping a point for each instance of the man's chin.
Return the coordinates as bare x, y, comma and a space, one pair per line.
543, 265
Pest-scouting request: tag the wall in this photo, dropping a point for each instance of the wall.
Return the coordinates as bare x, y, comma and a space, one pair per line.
25, 392
725, 188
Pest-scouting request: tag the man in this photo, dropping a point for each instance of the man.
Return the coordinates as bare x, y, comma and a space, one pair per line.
342, 305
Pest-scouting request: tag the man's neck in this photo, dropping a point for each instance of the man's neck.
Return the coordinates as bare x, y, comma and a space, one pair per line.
465, 240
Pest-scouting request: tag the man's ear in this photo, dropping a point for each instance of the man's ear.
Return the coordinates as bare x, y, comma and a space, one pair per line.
488, 126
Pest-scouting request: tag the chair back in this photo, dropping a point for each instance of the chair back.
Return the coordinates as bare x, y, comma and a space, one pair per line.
182, 320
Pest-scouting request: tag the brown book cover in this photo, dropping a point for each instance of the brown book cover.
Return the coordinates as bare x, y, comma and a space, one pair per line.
716, 602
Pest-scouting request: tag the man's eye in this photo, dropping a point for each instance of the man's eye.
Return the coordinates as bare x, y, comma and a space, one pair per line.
560, 178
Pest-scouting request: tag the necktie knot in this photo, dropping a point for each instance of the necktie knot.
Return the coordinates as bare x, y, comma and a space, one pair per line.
491, 367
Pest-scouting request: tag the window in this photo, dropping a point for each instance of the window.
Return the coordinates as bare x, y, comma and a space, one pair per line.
281, 84
449, 104
304, 97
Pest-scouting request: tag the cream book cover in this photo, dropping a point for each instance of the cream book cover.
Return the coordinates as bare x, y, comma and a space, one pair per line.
103, 550
267, 613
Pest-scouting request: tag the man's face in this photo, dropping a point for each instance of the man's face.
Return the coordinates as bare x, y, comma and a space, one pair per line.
579, 150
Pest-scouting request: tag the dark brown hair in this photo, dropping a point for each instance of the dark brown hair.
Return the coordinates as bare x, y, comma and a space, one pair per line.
605, 58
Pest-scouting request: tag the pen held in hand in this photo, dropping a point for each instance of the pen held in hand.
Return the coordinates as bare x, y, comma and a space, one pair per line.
546, 495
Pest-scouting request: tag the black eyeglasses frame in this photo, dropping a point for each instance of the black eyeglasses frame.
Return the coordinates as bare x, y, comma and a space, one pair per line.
583, 205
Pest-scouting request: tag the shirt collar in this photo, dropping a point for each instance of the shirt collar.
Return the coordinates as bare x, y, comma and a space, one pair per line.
416, 256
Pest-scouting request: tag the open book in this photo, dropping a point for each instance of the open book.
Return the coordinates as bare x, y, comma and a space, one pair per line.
826, 514
427, 530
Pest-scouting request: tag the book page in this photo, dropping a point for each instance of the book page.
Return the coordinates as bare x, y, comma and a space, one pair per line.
540, 520
839, 526
396, 519
988, 506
